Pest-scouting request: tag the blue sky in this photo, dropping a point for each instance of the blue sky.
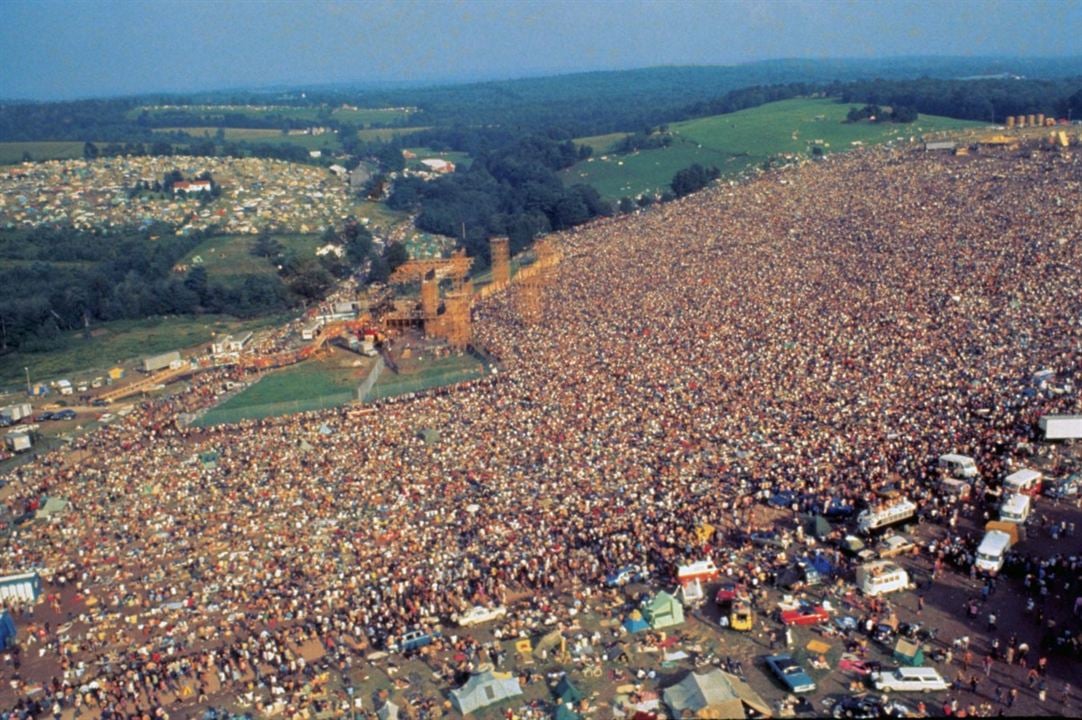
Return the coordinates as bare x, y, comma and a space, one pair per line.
52, 49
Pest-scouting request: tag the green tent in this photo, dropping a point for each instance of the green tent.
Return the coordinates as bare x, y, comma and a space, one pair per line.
663, 611
567, 692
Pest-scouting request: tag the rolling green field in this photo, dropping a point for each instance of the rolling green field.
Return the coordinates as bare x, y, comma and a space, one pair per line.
460, 159
117, 342
228, 258
311, 385
738, 141
12, 152
601, 144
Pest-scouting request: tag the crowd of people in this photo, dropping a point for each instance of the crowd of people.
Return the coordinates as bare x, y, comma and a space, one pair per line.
828, 331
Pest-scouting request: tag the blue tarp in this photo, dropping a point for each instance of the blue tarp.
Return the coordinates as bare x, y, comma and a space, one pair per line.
7, 630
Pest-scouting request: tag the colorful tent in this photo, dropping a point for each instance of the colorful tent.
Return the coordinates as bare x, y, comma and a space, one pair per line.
663, 611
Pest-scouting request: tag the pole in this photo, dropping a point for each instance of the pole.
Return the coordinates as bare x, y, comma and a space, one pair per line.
29, 390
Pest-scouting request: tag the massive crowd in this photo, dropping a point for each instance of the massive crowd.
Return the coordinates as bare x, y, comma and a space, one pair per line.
826, 331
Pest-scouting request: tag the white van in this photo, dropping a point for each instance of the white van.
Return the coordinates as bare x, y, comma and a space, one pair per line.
959, 466
881, 577
1015, 508
1023, 482
992, 551
882, 516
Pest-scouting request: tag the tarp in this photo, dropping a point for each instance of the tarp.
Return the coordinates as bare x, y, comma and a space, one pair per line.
634, 622
567, 692
484, 689
716, 695
663, 611
388, 711
53, 506
819, 527
7, 630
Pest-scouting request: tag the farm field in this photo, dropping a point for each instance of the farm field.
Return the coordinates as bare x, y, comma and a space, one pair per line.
13, 152
740, 140
118, 342
228, 258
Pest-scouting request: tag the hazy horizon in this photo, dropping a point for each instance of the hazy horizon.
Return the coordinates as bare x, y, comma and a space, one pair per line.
55, 50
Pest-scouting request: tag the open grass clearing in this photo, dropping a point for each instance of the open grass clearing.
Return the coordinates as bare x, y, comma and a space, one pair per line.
736, 141
12, 153
460, 159
229, 258
120, 342
602, 143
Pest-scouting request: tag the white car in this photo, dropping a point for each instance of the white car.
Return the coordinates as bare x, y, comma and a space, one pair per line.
895, 545
909, 679
479, 614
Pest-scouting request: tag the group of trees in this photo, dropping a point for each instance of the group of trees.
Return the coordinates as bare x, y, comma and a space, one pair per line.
513, 191
57, 280
876, 114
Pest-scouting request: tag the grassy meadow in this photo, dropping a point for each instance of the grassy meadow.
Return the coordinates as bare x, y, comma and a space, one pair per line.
228, 258
740, 140
119, 342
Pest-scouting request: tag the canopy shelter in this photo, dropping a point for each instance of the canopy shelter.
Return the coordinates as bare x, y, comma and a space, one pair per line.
484, 689
663, 611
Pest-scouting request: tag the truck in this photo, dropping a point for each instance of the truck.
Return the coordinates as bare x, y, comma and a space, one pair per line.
154, 363
1061, 427
992, 551
15, 412
17, 441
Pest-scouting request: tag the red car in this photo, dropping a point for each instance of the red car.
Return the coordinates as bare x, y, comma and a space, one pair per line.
805, 615
730, 591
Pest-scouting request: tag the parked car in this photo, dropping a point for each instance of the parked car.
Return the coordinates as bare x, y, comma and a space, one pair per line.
770, 538
479, 614
99, 402
866, 707
44, 417
895, 545
854, 547
805, 614
788, 670
627, 574
730, 591
65, 414
1062, 487
413, 640
909, 679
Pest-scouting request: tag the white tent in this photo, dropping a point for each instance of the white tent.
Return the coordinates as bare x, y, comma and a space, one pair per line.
484, 689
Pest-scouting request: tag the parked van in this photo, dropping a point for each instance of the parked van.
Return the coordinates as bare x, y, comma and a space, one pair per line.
959, 466
885, 515
1023, 482
992, 551
1015, 508
881, 577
